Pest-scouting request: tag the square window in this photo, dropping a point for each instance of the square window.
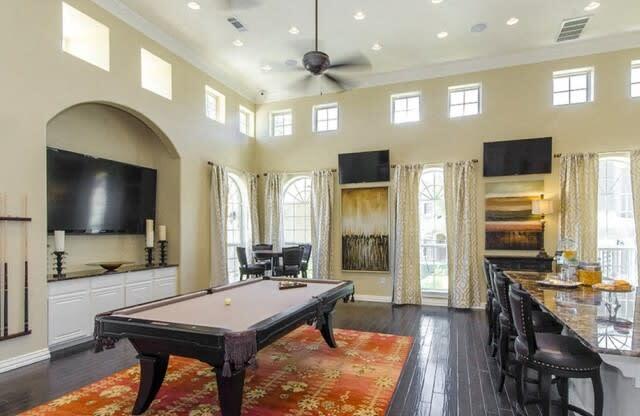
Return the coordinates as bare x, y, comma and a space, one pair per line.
246, 121
573, 87
281, 123
325, 118
405, 108
464, 100
214, 104
85, 37
155, 74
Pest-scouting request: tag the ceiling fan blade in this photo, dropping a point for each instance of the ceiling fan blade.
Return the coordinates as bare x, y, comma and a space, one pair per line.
335, 81
303, 83
354, 63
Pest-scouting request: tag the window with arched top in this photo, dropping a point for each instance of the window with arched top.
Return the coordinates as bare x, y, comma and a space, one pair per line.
434, 271
296, 204
235, 226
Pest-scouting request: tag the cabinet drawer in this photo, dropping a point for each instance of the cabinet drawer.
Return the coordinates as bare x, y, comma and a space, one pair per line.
99, 282
68, 286
142, 276
165, 272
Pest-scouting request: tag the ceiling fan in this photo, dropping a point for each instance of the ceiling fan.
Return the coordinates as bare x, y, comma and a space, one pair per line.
318, 64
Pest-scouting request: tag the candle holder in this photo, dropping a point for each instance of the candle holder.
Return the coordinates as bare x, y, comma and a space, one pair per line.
149, 251
163, 252
59, 266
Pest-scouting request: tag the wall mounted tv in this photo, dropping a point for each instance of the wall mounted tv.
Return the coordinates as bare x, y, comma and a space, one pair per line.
88, 195
364, 167
517, 157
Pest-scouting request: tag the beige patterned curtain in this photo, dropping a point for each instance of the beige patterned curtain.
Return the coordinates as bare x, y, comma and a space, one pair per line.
406, 233
273, 209
254, 223
321, 207
461, 204
579, 202
635, 191
218, 201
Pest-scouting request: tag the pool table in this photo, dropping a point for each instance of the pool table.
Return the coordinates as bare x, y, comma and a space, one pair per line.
223, 326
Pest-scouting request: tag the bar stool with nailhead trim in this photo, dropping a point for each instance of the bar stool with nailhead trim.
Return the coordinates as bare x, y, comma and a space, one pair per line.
489, 305
555, 357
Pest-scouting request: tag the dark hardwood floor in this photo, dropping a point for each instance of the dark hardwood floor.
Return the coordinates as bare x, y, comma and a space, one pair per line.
449, 370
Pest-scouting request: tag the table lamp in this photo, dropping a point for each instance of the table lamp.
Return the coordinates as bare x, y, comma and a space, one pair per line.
542, 207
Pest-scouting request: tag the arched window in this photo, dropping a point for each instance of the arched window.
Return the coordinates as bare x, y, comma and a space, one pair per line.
297, 211
434, 270
235, 226
616, 225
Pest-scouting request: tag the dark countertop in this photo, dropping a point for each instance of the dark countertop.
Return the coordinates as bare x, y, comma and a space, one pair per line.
590, 314
101, 272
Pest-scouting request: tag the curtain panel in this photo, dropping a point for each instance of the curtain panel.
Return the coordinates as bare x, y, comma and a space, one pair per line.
579, 202
218, 203
322, 194
406, 234
273, 209
635, 192
461, 204
253, 218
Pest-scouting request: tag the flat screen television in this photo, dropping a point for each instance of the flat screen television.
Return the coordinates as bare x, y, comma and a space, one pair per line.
88, 195
517, 157
364, 167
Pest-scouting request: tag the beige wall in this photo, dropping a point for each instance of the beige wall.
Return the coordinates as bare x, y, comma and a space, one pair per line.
39, 81
517, 103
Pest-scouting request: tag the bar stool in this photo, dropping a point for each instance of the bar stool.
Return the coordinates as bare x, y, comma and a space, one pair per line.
489, 305
542, 322
556, 358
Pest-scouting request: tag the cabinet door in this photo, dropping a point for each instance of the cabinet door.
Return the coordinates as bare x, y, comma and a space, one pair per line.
137, 293
69, 317
107, 299
164, 288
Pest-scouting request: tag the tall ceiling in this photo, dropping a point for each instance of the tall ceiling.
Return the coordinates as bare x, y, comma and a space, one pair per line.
406, 29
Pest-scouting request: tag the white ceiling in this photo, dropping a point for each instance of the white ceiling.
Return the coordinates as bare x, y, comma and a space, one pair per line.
406, 29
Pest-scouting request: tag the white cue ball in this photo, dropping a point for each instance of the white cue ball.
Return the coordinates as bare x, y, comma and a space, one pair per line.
227, 301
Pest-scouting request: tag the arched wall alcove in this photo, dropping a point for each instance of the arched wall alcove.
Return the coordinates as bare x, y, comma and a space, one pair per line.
116, 132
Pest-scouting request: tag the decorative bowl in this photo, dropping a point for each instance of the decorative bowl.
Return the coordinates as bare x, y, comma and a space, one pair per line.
110, 265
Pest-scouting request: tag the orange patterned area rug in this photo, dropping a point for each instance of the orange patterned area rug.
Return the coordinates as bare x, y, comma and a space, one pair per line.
298, 375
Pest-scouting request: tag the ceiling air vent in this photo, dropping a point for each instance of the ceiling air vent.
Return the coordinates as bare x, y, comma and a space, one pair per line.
572, 28
236, 23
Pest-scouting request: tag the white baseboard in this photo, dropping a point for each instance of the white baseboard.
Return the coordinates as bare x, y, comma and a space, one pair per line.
25, 359
435, 301
373, 298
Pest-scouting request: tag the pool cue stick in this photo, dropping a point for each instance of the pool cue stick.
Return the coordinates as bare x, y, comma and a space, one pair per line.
26, 266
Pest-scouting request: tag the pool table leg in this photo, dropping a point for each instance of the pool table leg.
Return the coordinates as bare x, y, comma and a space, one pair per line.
152, 372
327, 329
230, 392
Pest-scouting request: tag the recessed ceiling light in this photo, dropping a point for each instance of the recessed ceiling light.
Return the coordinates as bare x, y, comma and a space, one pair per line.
479, 27
436, 1
294, 30
238, 42
266, 68
376, 47
592, 6
512, 21
442, 35
359, 16
194, 5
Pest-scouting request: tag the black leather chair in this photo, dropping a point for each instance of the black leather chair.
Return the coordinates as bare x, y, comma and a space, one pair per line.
495, 309
490, 296
247, 269
264, 259
306, 255
555, 358
291, 262
542, 322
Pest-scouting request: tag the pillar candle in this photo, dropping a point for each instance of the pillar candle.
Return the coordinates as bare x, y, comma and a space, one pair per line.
162, 233
59, 241
150, 241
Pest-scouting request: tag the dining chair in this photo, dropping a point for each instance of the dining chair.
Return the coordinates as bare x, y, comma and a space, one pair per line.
306, 255
247, 269
556, 358
291, 262
264, 259
489, 304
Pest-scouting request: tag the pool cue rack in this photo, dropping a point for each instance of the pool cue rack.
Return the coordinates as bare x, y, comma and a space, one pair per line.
4, 271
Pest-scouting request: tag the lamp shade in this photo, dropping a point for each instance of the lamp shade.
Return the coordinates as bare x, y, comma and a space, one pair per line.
542, 207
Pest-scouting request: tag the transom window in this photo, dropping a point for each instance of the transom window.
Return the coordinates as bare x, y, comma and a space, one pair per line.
297, 211
574, 86
214, 104
616, 225
235, 227
282, 123
405, 108
85, 37
434, 271
325, 117
635, 79
155, 74
464, 100
247, 121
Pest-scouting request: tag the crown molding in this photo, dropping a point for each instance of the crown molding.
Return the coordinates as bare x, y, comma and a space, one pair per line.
444, 69
152, 31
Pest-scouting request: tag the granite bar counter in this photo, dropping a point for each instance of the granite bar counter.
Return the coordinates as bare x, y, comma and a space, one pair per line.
102, 272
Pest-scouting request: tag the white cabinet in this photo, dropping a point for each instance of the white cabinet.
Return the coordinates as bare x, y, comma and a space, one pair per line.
73, 304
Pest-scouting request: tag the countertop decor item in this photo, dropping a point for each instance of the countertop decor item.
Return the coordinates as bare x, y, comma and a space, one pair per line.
110, 265
614, 286
553, 282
